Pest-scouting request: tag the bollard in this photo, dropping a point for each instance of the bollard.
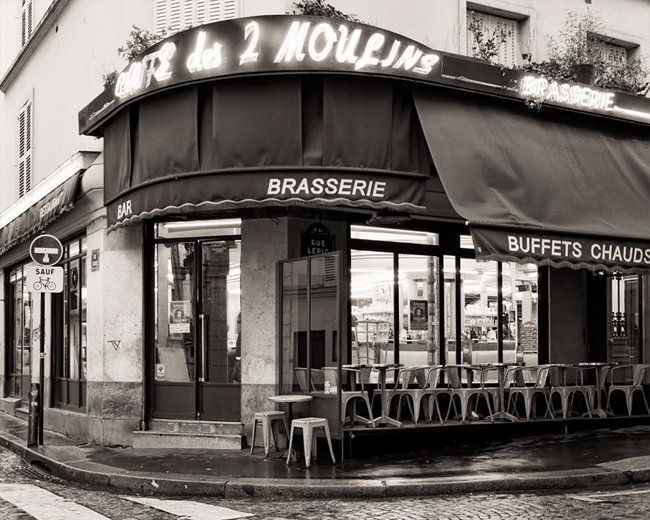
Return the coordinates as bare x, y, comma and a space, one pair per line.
33, 419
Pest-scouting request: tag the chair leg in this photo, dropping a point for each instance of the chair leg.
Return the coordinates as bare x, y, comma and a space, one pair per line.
266, 433
329, 442
290, 443
645, 401
417, 402
286, 426
629, 398
307, 432
253, 441
528, 405
367, 401
275, 430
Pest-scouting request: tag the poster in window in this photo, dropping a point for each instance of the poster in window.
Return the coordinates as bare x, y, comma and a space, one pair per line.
419, 315
180, 312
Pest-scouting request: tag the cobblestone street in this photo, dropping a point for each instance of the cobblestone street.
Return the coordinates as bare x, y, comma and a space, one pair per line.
623, 503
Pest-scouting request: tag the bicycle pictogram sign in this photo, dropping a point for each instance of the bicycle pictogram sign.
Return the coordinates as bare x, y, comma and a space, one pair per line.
44, 279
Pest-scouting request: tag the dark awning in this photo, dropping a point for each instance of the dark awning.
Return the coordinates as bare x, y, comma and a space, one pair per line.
548, 186
274, 141
40, 215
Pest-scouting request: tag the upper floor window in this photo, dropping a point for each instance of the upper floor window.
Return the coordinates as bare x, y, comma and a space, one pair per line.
612, 54
176, 15
25, 118
26, 21
492, 37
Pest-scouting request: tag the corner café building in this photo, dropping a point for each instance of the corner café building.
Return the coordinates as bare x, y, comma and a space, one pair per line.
300, 193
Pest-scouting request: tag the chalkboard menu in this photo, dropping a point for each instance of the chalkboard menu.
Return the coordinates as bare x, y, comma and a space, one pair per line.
529, 337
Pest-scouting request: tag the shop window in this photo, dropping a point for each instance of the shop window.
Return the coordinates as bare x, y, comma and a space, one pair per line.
19, 334
25, 120
177, 15
26, 21
310, 314
447, 308
70, 328
491, 25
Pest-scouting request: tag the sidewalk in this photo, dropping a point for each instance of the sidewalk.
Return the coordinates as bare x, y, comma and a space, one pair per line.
453, 464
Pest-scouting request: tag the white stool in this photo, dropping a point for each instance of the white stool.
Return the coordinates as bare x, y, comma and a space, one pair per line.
267, 418
308, 424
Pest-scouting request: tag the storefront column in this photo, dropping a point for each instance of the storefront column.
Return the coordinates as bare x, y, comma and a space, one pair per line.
264, 243
3, 336
115, 343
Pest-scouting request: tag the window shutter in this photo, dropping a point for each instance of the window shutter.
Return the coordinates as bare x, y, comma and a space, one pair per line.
175, 15
26, 21
25, 149
508, 51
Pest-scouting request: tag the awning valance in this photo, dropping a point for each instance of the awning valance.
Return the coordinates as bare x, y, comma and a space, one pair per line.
550, 187
40, 215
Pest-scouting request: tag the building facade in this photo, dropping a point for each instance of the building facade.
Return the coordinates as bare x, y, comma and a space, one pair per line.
230, 233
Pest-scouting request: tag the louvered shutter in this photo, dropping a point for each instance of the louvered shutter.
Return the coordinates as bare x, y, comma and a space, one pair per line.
176, 15
509, 50
26, 21
25, 149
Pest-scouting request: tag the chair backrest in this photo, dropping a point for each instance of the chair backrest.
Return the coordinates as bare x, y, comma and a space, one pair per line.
639, 374
453, 376
433, 376
317, 378
513, 377
331, 375
542, 376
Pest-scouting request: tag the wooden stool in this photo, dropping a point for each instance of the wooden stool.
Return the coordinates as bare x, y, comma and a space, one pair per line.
267, 418
308, 424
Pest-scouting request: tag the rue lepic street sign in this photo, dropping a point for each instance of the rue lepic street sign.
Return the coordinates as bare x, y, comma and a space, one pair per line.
46, 251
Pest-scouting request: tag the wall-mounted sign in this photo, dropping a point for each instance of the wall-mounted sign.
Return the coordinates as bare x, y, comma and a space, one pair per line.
94, 260
316, 240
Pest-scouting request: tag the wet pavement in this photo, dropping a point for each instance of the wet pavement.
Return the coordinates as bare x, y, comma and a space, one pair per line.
474, 454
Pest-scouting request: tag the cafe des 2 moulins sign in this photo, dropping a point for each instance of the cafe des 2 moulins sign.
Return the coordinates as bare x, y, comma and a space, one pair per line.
288, 44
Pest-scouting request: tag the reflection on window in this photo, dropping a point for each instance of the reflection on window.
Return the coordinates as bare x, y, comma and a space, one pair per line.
198, 228
404, 236
372, 283
520, 311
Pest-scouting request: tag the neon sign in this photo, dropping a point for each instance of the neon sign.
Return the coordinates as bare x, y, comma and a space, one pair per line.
575, 95
303, 42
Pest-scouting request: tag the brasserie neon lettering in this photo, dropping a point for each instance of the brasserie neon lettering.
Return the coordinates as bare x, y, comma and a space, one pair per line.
543, 90
331, 186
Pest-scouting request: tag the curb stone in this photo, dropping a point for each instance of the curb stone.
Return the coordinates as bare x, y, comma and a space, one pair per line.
335, 488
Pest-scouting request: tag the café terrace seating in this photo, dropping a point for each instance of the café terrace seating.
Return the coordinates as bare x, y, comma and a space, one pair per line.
534, 386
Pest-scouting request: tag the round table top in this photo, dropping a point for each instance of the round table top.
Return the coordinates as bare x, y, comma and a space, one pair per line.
591, 364
290, 398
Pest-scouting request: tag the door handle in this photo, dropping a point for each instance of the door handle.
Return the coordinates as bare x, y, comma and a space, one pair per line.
203, 317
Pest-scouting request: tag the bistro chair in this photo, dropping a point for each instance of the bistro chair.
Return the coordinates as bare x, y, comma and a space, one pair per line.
466, 393
348, 396
427, 378
528, 391
317, 378
638, 374
566, 382
267, 419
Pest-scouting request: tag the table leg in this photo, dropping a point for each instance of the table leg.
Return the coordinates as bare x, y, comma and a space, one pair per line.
385, 404
502, 413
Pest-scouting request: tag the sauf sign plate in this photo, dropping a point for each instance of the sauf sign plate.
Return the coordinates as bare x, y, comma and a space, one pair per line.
44, 279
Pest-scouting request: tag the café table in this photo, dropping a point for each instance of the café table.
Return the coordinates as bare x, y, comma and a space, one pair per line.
290, 399
597, 368
382, 369
501, 413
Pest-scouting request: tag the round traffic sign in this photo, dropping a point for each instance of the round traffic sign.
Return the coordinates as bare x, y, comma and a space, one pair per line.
46, 250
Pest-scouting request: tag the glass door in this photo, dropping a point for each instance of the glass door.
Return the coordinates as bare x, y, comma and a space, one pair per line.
219, 357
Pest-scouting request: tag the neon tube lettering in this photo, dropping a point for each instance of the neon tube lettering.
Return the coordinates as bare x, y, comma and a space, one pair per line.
345, 50
330, 38
251, 54
292, 47
375, 42
409, 58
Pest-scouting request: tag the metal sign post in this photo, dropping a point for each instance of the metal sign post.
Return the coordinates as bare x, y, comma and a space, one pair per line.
46, 251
